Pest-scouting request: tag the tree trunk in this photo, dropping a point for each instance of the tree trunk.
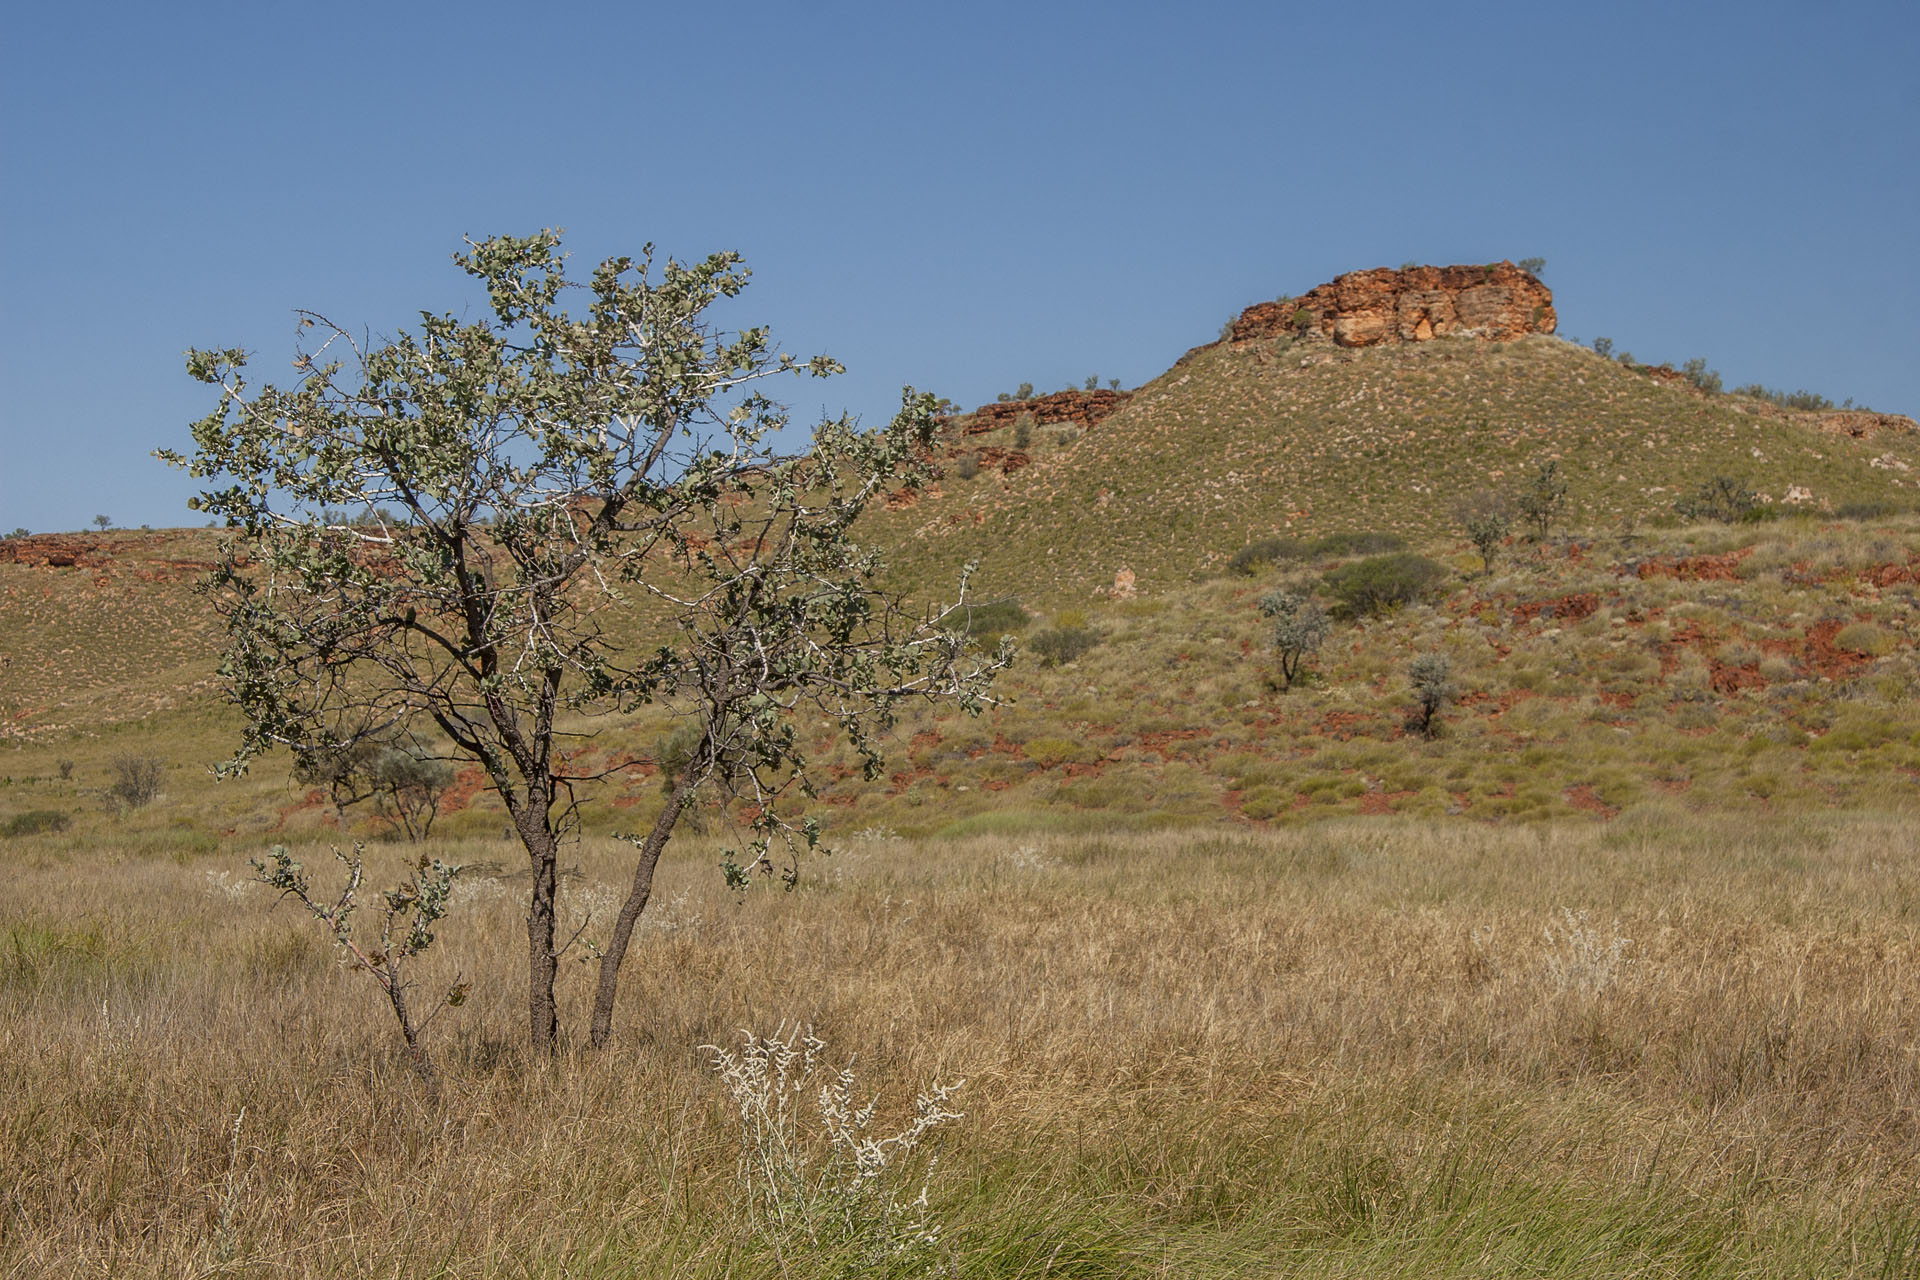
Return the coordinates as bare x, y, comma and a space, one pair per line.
543, 965
616, 952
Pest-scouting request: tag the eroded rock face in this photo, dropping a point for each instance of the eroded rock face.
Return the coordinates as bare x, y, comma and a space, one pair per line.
1366, 308
1082, 408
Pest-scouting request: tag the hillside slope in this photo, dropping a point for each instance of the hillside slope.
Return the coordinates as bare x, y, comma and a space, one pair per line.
1243, 439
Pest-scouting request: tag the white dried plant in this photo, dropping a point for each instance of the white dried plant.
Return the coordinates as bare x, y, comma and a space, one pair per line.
814, 1170
1580, 957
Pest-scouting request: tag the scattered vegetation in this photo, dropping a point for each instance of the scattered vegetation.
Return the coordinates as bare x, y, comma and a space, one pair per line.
1722, 498
35, 822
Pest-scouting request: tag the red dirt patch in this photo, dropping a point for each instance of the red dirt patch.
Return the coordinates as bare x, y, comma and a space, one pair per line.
1585, 799
1721, 568
1576, 607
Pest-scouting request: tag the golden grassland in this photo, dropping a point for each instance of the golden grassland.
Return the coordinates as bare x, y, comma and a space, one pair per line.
1672, 1045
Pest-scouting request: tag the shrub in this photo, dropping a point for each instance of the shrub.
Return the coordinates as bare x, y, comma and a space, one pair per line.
1870, 509
816, 1177
34, 822
1056, 646
1543, 499
1532, 266
1603, 347
1864, 639
1722, 498
1049, 752
967, 466
1379, 583
1261, 552
1023, 431
1300, 627
1806, 400
1699, 375
1488, 519
987, 622
1431, 675
136, 780
1362, 543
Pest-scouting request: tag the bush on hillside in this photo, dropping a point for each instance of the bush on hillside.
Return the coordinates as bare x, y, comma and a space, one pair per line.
1807, 400
1359, 543
1870, 509
988, 622
1300, 627
136, 780
1543, 499
1722, 498
1699, 375
1431, 675
1380, 583
34, 822
1057, 646
1261, 552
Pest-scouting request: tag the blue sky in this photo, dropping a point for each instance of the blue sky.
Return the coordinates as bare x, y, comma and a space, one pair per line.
961, 197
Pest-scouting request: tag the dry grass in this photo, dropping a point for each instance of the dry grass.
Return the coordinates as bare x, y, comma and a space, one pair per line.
1357, 1049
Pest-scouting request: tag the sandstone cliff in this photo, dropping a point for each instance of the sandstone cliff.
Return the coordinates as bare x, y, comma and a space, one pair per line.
1366, 308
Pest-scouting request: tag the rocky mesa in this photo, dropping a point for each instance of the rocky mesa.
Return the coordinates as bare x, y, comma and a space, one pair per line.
1497, 301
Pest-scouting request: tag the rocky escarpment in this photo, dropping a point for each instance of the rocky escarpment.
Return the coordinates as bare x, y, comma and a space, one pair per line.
1081, 408
1497, 302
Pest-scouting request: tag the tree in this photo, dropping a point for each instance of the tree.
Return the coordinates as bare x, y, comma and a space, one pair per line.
1488, 518
402, 778
1300, 627
541, 480
1533, 266
103, 523
1431, 675
1543, 499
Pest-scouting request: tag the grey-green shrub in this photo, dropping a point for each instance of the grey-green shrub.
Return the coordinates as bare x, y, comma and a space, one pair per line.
1380, 583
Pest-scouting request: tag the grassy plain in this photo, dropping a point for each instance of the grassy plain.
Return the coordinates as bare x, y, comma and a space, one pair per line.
1673, 1045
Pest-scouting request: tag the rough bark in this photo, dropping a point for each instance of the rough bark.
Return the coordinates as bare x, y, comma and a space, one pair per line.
616, 951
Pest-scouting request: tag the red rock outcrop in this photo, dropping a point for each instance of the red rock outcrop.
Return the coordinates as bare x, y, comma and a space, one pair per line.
54, 551
1082, 408
1366, 308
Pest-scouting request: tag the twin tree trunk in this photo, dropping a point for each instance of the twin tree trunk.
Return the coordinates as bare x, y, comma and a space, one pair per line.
534, 824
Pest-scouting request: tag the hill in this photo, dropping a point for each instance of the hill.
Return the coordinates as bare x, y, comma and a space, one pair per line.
1640, 662
1282, 429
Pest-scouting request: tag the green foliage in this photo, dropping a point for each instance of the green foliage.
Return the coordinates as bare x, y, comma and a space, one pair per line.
1699, 375
103, 523
1721, 498
1378, 584
1056, 646
1300, 627
396, 773
966, 466
1431, 675
408, 913
1051, 752
34, 822
1488, 520
988, 622
1532, 266
1804, 400
1542, 500
1356, 543
1864, 638
18, 532
1261, 552
1023, 431
549, 469
1603, 347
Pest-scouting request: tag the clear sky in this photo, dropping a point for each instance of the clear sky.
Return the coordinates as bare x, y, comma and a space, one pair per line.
963, 197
